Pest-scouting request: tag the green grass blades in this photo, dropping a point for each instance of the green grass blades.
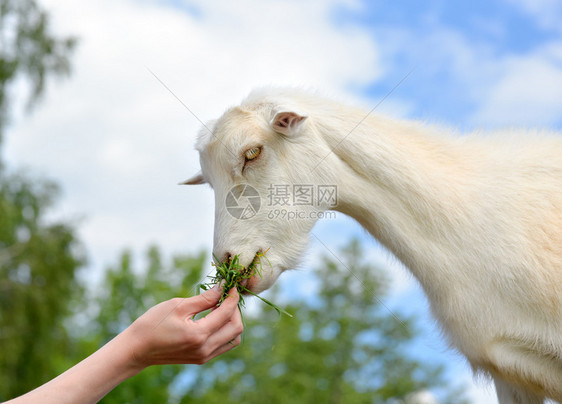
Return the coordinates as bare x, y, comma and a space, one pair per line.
231, 274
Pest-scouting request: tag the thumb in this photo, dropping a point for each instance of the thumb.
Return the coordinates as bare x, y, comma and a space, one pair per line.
204, 301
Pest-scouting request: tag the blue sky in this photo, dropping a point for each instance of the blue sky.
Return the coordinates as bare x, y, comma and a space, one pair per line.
500, 25
452, 44
118, 143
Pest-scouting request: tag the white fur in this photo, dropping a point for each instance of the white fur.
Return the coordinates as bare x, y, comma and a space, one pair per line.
476, 218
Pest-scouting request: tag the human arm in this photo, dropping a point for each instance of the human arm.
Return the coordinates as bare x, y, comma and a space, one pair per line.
165, 334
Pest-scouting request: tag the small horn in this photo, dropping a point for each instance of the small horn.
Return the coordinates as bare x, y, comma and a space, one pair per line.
195, 180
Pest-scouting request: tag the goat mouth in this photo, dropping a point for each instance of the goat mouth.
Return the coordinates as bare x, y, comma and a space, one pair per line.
248, 282
251, 274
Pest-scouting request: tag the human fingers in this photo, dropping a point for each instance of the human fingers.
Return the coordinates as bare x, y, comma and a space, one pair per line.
222, 314
229, 331
212, 350
231, 344
202, 302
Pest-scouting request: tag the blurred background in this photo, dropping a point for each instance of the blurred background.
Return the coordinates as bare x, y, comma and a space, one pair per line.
94, 229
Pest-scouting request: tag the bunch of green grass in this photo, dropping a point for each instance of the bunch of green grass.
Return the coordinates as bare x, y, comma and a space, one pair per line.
230, 274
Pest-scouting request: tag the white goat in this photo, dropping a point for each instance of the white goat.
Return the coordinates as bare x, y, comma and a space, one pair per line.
476, 218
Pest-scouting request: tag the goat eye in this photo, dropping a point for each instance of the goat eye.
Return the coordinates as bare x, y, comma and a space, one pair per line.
252, 153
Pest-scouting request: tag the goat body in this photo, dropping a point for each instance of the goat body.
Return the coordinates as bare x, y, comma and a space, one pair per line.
476, 218
478, 221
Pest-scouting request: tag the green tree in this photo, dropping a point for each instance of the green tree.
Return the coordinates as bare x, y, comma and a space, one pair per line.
38, 264
343, 346
38, 258
28, 50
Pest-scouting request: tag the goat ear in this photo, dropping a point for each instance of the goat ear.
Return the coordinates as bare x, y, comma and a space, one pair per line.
195, 180
287, 122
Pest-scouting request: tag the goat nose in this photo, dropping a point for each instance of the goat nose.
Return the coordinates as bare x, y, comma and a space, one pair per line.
227, 256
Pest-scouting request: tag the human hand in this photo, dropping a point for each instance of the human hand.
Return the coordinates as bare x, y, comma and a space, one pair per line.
165, 334
168, 334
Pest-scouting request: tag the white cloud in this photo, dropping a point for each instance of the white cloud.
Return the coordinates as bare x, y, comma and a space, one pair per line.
527, 92
482, 392
547, 13
489, 85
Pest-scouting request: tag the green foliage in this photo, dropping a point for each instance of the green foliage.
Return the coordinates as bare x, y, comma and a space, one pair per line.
28, 49
231, 274
38, 264
38, 258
